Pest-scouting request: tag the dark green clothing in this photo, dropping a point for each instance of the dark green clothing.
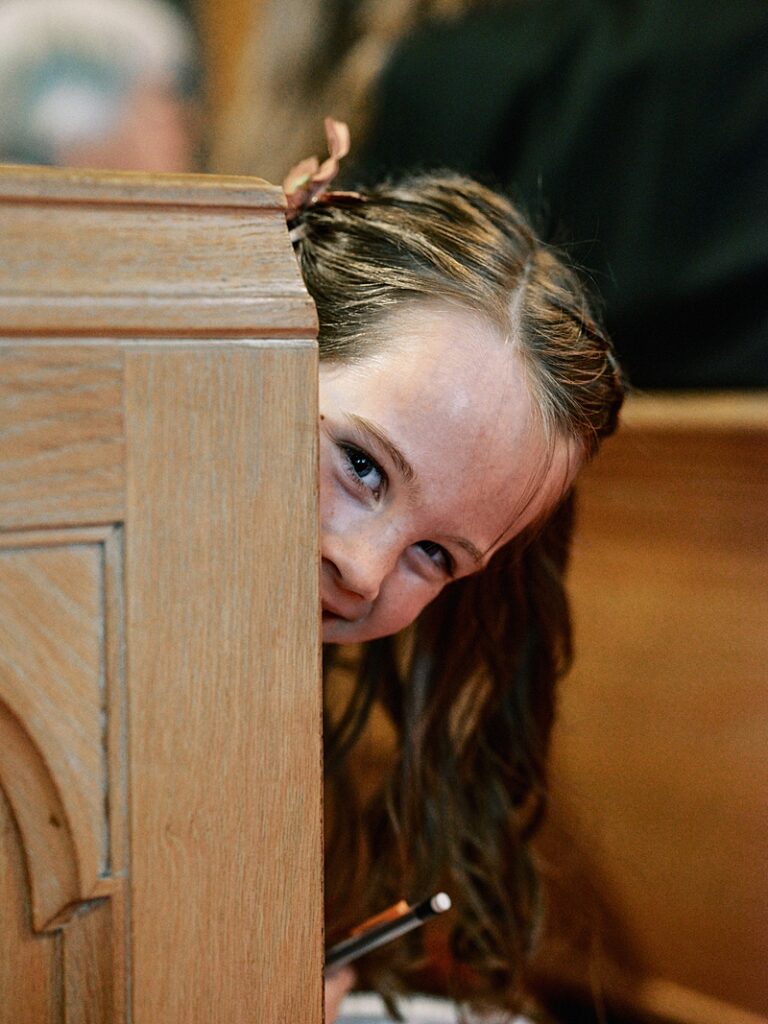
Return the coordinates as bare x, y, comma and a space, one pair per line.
635, 133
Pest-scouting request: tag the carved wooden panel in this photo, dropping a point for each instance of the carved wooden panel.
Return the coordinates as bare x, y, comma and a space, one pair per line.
22, 953
168, 254
61, 770
160, 706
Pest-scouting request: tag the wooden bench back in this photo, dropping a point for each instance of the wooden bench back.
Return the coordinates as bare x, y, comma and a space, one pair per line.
657, 848
160, 707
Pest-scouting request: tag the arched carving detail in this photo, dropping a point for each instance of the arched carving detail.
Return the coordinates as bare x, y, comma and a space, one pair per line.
48, 839
56, 667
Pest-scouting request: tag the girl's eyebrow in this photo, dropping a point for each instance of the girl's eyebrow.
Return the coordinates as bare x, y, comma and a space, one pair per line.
386, 442
474, 552
407, 471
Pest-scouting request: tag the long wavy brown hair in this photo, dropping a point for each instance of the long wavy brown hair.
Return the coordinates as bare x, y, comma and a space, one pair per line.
466, 695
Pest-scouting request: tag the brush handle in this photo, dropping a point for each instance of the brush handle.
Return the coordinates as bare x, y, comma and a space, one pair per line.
347, 950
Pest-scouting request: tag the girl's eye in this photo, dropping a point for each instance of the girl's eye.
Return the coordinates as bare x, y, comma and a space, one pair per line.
437, 554
364, 469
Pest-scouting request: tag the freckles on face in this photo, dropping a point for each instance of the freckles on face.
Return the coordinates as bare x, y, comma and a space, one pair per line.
431, 457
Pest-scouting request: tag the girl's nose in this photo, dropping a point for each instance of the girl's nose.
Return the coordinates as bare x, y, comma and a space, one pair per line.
361, 565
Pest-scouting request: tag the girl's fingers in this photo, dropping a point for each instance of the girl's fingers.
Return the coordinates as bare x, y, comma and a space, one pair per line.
337, 984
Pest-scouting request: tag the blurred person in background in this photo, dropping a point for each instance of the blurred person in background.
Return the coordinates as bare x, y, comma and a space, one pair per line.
303, 60
635, 132
103, 84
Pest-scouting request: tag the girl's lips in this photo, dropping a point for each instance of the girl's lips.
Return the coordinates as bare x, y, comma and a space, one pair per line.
344, 611
332, 612
329, 615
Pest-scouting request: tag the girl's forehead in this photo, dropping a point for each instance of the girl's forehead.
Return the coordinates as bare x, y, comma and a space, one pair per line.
437, 355
452, 396
419, 319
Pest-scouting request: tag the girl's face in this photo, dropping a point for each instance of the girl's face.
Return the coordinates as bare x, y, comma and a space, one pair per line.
431, 459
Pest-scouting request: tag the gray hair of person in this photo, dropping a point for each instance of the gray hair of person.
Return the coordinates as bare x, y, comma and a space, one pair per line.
67, 68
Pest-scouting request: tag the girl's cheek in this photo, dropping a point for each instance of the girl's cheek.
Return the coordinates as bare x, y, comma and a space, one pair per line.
402, 602
333, 495
339, 511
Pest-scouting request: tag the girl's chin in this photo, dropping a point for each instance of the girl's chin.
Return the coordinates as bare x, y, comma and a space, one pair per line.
336, 630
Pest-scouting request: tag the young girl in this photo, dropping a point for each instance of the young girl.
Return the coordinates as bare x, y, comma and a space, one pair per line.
463, 383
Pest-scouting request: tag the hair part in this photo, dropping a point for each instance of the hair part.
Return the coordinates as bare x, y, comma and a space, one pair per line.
452, 240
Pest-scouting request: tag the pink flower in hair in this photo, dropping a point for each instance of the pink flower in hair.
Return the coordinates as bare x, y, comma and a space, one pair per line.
307, 181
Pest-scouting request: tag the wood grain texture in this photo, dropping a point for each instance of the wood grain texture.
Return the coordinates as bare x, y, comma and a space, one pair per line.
61, 435
29, 976
74, 186
92, 964
74, 973
53, 759
213, 910
49, 838
115, 254
223, 624
661, 754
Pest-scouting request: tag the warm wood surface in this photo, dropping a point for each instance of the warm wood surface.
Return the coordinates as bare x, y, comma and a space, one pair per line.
185, 255
220, 516
160, 749
61, 435
51, 661
661, 755
42, 185
715, 412
23, 955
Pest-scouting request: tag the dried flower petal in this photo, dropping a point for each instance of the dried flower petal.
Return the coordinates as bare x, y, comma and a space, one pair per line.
308, 180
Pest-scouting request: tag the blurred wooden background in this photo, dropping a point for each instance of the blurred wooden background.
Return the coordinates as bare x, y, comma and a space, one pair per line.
657, 846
